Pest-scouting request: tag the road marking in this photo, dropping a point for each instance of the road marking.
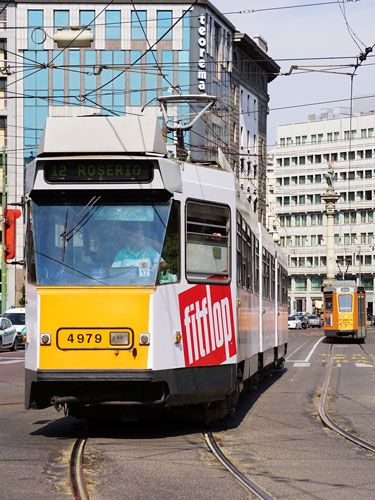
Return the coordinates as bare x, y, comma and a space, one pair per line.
363, 365
307, 357
301, 364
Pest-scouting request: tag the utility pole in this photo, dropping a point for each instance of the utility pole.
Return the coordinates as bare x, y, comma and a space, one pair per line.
330, 197
3, 264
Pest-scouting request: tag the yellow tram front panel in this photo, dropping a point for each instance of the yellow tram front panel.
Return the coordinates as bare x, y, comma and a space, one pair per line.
81, 321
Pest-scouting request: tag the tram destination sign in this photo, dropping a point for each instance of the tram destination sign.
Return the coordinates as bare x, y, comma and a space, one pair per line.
103, 170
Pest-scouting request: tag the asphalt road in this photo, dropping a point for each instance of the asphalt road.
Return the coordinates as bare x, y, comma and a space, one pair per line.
276, 438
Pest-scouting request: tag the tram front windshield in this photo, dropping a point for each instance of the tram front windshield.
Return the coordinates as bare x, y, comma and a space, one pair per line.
96, 241
345, 303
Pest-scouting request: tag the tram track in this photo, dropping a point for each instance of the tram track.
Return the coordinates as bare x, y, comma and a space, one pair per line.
323, 408
76, 475
79, 487
245, 481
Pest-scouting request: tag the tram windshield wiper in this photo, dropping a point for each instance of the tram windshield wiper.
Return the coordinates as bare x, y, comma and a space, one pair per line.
83, 216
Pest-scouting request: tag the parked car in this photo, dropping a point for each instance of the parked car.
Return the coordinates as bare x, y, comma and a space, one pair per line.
17, 316
8, 335
314, 321
304, 320
294, 322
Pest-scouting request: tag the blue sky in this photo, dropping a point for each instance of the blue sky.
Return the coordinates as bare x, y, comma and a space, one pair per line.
310, 32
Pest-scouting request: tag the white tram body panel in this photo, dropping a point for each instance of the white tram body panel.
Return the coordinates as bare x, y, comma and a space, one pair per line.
195, 331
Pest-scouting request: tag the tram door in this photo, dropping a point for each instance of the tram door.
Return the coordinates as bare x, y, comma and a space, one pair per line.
361, 307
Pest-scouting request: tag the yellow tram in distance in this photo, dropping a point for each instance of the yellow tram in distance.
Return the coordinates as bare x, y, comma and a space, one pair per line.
344, 310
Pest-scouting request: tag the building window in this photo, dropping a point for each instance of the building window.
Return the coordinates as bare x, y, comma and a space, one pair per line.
302, 199
329, 137
289, 141
316, 283
368, 153
337, 218
346, 134
313, 139
367, 260
337, 239
363, 133
371, 132
139, 25
370, 214
135, 79
320, 138
336, 136
318, 178
286, 162
368, 195
286, 201
301, 283
313, 240
368, 174
318, 158
74, 78
346, 217
363, 238
352, 196
60, 19
298, 140
113, 96
164, 22
87, 18
286, 181
282, 142
317, 199
35, 37
302, 160
113, 25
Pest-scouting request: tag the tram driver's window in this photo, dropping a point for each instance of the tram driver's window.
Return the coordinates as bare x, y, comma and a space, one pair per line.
207, 243
328, 303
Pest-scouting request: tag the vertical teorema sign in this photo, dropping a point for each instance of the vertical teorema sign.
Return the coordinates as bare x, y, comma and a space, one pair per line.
202, 42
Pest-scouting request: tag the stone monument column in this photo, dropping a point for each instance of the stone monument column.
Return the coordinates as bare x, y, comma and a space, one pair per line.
330, 197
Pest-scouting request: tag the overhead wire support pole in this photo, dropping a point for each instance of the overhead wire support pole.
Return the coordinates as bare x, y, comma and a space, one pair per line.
3, 264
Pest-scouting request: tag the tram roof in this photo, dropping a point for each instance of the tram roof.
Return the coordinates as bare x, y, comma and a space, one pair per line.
102, 134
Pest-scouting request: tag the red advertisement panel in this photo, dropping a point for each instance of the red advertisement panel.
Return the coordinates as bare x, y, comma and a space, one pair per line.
207, 325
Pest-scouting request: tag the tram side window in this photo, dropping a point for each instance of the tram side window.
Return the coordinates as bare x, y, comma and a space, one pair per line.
239, 251
273, 278
345, 303
207, 243
30, 252
256, 266
244, 254
266, 274
249, 269
328, 303
169, 268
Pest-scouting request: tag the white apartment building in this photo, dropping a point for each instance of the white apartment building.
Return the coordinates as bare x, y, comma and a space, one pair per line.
300, 161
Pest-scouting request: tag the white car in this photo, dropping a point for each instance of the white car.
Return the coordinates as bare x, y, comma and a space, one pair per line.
294, 322
17, 316
8, 335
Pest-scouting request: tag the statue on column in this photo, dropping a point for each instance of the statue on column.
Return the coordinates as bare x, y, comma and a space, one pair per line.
329, 177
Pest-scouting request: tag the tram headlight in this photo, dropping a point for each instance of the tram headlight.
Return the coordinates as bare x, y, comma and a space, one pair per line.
119, 338
144, 339
45, 339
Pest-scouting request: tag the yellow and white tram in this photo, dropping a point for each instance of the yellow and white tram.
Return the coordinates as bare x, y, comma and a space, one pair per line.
149, 279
